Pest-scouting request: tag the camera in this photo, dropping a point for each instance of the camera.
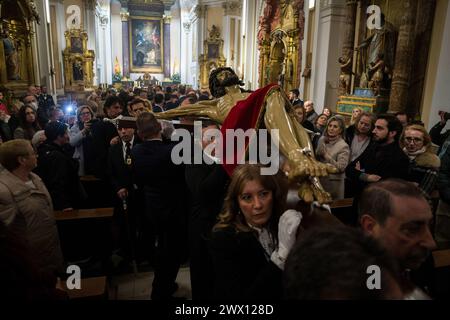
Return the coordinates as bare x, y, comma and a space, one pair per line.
92, 121
69, 110
445, 114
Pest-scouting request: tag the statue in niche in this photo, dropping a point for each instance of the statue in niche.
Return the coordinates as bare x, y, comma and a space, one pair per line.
381, 41
377, 72
277, 55
11, 55
77, 71
345, 75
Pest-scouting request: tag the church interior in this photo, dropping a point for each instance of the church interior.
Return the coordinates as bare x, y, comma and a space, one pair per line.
94, 95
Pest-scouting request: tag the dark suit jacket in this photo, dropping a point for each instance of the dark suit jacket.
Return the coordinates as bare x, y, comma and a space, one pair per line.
207, 189
119, 172
59, 171
386, 161
241, 270
161, 180
102, 133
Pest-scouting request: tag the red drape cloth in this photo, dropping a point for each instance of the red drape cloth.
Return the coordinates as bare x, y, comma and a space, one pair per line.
244, 115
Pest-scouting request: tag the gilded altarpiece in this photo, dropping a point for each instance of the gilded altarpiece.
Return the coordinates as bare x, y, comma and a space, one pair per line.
78, 62
280, 32
212, 56
16, 34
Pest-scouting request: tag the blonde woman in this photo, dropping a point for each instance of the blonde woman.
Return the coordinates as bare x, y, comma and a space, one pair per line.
332, 149
355, 113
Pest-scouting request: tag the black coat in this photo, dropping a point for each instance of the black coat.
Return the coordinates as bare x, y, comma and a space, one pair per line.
102, 133
241, 269
59, 171
161, 180
386, 161
207, 188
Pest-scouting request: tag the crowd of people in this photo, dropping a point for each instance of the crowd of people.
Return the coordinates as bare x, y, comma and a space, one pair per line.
240, 237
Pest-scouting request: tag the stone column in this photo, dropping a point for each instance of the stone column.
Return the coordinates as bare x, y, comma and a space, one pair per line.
325, 67
184, 65
167, 20
403, 58
200, 12
125, 16
89, 23
250, 45
347, 48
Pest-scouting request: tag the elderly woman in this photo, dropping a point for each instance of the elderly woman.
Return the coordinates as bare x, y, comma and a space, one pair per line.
28, 123
332, 149
423, 163
81, 139
253, 237
26, 206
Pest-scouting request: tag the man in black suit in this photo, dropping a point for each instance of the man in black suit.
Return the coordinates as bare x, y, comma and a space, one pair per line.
104, 134
164, 190
207, 188
293, 97
158, 106
120, 175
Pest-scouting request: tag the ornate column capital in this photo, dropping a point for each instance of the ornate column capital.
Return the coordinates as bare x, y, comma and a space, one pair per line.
124, 16
187, 27
167, 19
104, 20
233, 8
200, 11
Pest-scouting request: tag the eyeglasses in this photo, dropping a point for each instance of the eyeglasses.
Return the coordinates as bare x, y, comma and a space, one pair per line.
85, 113
413, 139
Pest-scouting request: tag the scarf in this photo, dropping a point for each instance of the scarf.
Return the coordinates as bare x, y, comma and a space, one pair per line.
413, 155
331, 139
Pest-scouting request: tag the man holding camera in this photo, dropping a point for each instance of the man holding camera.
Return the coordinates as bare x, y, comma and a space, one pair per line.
436, 136
442, 231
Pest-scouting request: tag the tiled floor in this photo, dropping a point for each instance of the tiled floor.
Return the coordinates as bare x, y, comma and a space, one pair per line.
139, 286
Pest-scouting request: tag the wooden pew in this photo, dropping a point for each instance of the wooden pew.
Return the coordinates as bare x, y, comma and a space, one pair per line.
89, 178
91, 288
342, 203
93, 225
441, 258
84, 214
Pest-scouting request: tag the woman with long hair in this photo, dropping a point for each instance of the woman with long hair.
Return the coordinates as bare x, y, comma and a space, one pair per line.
81, 139
253, 237
332, 149
28, 124
355, 113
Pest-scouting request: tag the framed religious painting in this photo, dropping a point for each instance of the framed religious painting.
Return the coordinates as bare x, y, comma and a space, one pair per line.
146, 44
76, 45
213, 50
